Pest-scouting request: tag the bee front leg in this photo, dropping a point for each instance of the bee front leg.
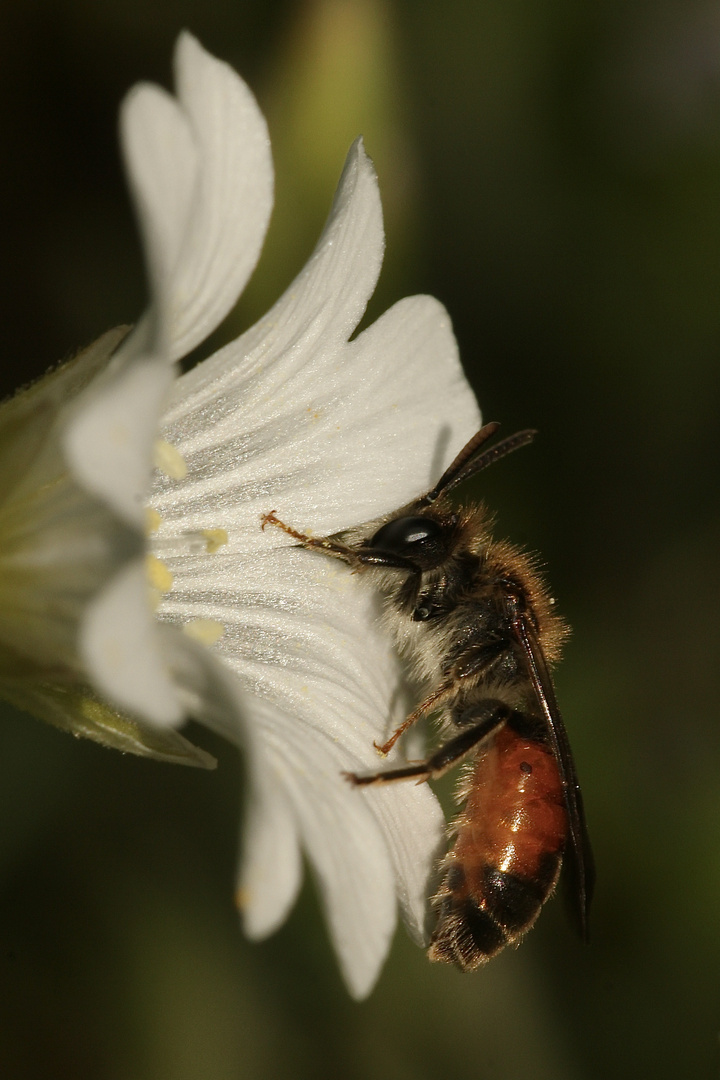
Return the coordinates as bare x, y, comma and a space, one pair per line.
353, 556
330, 547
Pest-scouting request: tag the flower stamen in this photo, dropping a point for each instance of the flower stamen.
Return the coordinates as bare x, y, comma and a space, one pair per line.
159, 576
153, 521
214, 539
206, 631
169, 460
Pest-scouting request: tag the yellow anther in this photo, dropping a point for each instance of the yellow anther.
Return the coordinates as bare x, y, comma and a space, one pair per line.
206, 631
215, 538
159, 576
169, 460
153, 520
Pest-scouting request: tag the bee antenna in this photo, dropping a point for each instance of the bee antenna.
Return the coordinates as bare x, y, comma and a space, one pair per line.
468, 462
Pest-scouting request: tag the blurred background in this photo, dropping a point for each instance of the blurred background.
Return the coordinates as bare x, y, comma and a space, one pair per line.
550, 169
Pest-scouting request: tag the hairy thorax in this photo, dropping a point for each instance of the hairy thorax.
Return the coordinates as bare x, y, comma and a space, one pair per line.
452, 622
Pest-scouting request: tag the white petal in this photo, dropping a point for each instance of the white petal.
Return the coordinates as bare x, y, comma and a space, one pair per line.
201, 173
111, 432
122, 651
414, 826
271, 869
299, 794
345, 846
323, 305
162, 166
270, 861
310, 435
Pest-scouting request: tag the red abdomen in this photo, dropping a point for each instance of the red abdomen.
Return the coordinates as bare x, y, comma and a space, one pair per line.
507, 852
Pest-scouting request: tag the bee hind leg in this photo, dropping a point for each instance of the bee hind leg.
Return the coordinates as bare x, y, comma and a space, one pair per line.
444, 758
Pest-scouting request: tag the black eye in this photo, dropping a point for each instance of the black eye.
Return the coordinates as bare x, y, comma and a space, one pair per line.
405, 533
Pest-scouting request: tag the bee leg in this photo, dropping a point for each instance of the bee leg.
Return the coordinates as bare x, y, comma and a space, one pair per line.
444, 758
330, 547
354, 557
422, 708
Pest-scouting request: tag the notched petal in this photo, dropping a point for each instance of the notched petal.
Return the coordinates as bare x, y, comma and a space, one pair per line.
200, 169
122, 650
162, 164
233, 197
270, 865
111, 432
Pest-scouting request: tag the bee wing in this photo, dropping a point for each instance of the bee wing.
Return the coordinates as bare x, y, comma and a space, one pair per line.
578, 859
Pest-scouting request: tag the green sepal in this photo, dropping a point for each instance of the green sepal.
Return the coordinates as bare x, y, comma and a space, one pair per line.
77, 710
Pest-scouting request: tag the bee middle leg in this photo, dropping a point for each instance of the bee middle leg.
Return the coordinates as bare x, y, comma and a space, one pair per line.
446, 756
425, 706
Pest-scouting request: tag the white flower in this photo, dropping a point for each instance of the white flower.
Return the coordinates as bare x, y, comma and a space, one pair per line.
275, 647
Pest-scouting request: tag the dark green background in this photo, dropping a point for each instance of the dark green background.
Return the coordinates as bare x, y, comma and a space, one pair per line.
551, 171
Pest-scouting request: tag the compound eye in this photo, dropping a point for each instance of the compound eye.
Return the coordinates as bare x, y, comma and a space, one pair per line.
407, 533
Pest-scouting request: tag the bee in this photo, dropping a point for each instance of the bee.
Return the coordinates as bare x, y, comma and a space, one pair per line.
476, 622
